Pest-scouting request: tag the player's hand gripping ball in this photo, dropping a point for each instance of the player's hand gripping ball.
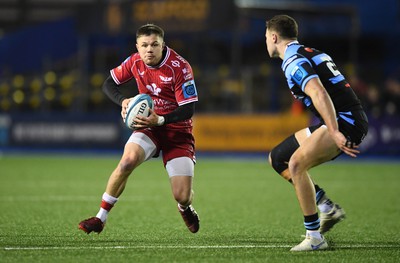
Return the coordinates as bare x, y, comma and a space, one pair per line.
138, 106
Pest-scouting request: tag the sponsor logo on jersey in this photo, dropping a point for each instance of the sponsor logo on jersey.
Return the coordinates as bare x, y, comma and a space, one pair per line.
165, 79
175, 63
187, 74
181, 59
189, 89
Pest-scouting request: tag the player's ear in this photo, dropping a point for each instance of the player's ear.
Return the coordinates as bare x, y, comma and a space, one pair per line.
274, 37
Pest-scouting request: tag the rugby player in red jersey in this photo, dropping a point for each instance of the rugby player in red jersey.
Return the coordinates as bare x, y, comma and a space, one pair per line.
168, 78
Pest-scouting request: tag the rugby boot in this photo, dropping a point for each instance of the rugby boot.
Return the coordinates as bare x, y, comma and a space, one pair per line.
328, 220
310, 244
191, 218
91, 224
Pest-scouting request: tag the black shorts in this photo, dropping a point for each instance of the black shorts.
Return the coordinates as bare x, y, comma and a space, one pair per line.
355, 132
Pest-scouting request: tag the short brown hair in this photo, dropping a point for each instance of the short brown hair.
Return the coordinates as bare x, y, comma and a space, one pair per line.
149, 29
284, 25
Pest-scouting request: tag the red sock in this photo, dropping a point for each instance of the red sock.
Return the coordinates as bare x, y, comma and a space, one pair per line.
105, 205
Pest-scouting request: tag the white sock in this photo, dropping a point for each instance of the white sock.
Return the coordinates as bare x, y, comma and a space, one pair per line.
109, 199
103, 213
314, 233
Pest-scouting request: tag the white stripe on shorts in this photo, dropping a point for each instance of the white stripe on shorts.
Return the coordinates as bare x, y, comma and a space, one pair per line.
309, 132
180, 166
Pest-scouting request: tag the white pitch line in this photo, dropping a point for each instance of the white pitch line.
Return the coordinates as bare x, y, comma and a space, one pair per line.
192, 247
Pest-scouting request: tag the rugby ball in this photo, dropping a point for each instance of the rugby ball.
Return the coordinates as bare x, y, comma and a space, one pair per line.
138, 106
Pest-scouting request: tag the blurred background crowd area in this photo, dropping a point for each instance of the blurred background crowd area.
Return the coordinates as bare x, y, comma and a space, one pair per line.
55, 55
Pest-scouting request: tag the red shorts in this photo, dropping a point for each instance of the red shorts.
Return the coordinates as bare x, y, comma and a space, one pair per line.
172, 143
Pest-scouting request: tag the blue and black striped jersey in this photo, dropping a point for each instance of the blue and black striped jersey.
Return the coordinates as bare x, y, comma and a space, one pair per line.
300, 64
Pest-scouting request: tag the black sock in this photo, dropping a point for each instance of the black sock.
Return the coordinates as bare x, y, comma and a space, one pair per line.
311, 222
319, 193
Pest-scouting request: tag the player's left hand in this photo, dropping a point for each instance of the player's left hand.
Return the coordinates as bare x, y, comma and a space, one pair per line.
124, 108
345, 145
146, 122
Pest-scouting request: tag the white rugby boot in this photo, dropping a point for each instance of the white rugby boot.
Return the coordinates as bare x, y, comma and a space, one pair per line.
328, 220
310, 244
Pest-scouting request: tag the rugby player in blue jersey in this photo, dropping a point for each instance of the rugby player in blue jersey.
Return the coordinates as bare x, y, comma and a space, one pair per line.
314, 79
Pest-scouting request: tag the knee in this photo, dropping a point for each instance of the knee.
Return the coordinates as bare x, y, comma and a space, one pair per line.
280, 155
183, 196
128, 164
296, 166
277, 160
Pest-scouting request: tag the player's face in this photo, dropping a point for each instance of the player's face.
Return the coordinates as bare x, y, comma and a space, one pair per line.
150, 49
270, 42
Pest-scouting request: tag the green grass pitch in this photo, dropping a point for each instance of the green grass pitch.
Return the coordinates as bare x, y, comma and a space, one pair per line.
247, 212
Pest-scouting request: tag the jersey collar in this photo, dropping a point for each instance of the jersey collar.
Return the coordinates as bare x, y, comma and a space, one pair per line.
165, 57
295, 42
292, 43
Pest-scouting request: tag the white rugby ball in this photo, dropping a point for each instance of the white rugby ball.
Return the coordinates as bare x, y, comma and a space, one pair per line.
138, 106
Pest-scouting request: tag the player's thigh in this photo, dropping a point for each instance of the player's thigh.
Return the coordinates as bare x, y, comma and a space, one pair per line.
132, 157
303, 134
138, 149
315, 148
147, 148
